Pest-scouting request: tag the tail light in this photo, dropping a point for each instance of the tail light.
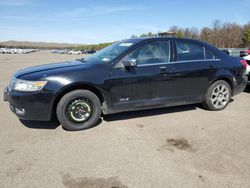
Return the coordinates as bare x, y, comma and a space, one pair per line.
244, 63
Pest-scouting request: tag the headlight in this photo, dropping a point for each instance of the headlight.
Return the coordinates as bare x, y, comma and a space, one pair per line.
24, 85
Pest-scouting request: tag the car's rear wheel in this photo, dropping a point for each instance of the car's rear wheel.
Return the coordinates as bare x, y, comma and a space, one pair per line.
78, 110
217, 96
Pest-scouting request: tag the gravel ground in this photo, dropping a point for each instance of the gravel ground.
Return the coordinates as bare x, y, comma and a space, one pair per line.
172, 147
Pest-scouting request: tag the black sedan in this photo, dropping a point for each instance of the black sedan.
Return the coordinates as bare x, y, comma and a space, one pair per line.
129, 75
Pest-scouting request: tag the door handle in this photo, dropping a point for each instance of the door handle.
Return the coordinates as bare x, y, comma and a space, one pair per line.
211, 68
163, 70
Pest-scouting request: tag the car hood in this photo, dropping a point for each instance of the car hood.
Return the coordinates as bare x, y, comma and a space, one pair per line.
47, 67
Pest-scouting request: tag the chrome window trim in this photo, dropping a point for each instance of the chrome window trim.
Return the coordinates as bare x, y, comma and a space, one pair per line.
119, 64
174, 62
169, 50
204, 52
208, 50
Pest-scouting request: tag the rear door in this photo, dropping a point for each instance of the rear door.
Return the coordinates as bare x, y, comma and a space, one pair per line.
195, 65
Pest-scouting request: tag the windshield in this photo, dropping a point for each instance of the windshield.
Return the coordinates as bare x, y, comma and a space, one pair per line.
109, 53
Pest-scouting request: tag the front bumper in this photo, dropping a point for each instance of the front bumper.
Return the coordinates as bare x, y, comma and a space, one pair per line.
30, 105
5, 95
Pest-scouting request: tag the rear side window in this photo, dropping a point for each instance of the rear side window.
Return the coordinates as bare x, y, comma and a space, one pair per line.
154, 52
209, 54
189, 51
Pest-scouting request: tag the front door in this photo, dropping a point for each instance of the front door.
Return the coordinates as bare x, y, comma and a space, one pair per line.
148, 83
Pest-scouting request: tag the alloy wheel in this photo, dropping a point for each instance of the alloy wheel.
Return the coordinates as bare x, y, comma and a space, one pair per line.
220, 96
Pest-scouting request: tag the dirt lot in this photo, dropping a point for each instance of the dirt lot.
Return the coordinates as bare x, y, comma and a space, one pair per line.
172, 147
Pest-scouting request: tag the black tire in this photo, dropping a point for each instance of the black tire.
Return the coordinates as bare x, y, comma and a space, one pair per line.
65, 114
210, 99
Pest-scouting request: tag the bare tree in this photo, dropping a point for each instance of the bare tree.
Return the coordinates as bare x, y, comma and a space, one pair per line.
223, 35
205, 34
246, 35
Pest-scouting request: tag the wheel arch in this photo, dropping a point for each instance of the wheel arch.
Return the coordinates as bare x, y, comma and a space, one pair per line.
73, 87
227, 79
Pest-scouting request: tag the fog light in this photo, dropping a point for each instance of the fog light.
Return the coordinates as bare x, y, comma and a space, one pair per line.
20, 111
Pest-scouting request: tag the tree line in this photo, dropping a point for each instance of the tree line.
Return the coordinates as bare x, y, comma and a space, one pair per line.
78, 47
92, 46
220, 34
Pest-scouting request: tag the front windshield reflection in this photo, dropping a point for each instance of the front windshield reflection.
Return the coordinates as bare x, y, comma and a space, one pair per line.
109, 53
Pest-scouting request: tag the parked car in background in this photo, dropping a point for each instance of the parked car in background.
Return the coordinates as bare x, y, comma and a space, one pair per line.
65, 51
247, 58
244, 53
60, 51
226, 51
17, 51
55, 51
133, 74
91, 51
84, 51
73, 52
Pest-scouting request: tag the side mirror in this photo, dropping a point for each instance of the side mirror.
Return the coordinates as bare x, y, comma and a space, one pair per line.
129, 63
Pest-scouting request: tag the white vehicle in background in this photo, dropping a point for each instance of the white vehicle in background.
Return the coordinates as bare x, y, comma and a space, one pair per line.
55, 51
73, 52
17, 51
2, 50
65, 51
60, 51
247, 58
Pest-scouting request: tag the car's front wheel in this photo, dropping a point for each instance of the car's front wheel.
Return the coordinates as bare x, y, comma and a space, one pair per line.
217, 96
78, 110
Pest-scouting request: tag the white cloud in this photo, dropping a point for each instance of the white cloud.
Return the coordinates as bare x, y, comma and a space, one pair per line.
77, 14
75, 35
72, 13
82, 13
15, 18
148, 28
107, 10
13, 2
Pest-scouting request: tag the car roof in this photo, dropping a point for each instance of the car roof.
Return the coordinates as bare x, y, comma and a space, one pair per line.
135, 40
141, 39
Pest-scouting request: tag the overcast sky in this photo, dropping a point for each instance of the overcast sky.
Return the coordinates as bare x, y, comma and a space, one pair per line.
95, 21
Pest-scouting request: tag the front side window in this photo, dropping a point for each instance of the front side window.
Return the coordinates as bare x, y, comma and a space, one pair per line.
154, 52
189, 51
